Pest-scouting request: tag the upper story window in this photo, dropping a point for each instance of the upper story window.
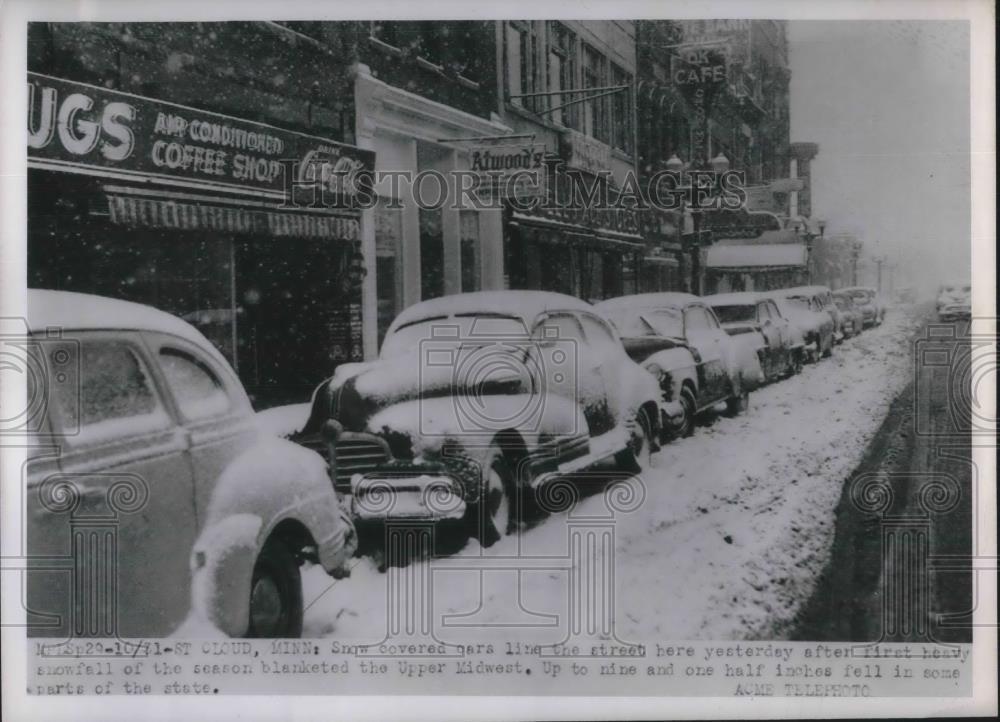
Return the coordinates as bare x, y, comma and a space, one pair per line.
621, 110
522, 63
595, 113
562, 74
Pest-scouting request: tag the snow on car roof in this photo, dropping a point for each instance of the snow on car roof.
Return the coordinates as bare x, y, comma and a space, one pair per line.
849, 289
70, 311
521, 304
737, 298
647, 300
810, 289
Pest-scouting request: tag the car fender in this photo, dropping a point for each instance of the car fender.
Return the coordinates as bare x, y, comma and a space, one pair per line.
678, 365
642, 389
276, 486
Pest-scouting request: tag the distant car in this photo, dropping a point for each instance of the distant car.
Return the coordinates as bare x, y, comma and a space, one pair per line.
814, 322
954, 301
824, 297
869, 301
757, 319
476, 401
678, 339
155, 436
853, 317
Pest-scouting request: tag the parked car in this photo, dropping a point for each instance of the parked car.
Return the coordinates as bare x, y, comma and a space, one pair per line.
812, 319
823, 296
155, 438
678, 339
954, 301
869, 302
853, 317
479, 399
757, 320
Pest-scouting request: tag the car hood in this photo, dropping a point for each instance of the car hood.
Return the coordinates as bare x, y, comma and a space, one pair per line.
356, 394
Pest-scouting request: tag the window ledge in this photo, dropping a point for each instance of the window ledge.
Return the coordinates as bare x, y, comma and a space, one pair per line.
622, 155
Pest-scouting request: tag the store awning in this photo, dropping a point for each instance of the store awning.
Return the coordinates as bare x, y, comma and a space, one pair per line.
555, 231
756, 257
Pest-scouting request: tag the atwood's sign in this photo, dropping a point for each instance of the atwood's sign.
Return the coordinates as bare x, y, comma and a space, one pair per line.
83, 128
509, 169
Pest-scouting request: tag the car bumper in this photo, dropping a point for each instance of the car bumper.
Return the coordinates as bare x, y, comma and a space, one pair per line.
406, 496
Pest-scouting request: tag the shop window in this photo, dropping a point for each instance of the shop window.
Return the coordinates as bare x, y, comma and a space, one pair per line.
595, 112
469, 243
388, 264
198, 392
591, 275
431, 254
611, 266
621, 110
562, 74
555, 265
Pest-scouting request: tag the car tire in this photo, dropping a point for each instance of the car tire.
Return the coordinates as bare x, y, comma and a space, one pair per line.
738, 402
492, 517
794, 363
275, 593
635, 458
686, 426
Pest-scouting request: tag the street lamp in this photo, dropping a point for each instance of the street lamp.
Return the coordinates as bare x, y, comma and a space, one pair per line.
855, 254
719, 164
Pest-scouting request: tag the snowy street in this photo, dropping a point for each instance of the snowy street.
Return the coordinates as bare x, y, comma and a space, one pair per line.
724, 539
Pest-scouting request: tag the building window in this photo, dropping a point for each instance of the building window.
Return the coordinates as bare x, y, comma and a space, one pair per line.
469, 242
522, 52
562, 74
388, 265
621, 109
595, 112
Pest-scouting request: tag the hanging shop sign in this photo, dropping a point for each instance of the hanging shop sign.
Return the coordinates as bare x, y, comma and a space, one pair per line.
82, 128
584, 152
508, 170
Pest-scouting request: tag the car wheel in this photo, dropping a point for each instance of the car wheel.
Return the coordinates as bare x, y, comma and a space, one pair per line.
492, 517
794, 363
685, 427
636, 457
739, 402
276, 593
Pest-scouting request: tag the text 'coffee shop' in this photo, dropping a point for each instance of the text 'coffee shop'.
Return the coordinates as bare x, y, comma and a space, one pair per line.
185, 210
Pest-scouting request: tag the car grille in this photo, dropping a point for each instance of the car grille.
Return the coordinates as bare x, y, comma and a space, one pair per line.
358, 454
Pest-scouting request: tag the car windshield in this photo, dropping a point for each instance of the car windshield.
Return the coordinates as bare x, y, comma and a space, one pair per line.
860, 296
469, 329
735, 313
798, 302
649, 322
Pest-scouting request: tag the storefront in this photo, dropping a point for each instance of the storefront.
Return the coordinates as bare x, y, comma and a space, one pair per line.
568, 247
186, 210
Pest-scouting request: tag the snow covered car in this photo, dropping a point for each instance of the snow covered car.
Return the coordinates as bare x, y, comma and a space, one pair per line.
756, 319
868, 301
476, 401
954, 301
156, 463
853, 318
813, 321
679, 341
823, 296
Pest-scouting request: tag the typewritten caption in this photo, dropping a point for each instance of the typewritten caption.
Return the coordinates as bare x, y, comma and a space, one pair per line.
750, 669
